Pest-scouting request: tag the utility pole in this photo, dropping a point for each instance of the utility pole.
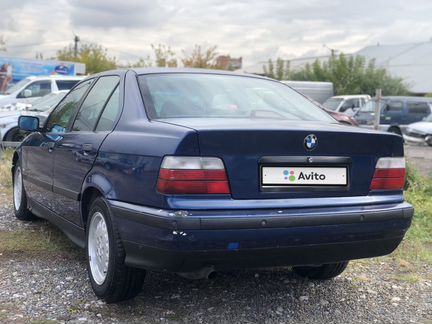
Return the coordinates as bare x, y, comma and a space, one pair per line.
76, 40
378, 94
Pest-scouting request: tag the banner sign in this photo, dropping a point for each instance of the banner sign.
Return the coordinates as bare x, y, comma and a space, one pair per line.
15, 69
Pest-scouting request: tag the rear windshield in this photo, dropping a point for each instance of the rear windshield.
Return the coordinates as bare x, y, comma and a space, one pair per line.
194, 95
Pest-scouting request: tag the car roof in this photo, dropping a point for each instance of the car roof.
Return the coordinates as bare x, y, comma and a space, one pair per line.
406, 98
352, 96
63, 77
156, 70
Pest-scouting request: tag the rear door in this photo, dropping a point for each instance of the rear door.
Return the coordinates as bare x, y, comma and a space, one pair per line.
76, 151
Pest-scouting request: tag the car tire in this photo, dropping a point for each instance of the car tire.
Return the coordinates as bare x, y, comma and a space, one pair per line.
15, 135
323, 272
110, 278
395, 130
19, 196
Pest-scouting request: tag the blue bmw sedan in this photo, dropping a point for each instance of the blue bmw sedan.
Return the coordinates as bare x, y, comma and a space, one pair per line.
195, 171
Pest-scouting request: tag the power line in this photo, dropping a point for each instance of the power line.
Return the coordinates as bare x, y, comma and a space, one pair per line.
35, 44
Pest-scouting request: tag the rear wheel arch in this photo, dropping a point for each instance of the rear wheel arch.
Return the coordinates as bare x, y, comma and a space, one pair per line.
87, 197
395, 129
15, 159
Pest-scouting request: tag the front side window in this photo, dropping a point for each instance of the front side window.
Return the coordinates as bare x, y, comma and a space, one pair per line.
93, 104
349, 104
370, 106
332, 103
36, 89
17, 86
394, 106
62, 117
193, 95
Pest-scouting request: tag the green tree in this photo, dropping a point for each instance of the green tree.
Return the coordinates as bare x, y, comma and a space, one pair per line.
351, 75
141, 63
269, 69
93, 55
164, 56
280, 69
201, 58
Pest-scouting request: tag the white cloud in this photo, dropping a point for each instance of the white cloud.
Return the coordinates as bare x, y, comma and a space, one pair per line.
253, 29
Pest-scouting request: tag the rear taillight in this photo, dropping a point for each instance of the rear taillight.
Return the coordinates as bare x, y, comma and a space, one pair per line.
389, 174
192, 175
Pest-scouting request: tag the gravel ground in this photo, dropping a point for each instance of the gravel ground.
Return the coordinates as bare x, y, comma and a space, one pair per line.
53, 288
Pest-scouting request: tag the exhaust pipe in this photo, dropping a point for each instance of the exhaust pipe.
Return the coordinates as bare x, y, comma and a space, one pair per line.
204, 273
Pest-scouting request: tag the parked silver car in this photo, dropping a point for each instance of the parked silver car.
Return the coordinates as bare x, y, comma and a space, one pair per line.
420, 132
9, 130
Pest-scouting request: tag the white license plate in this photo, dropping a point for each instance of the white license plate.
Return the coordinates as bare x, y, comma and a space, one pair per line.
304, 176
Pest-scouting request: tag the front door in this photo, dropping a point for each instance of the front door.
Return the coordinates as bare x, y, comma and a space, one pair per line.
38, 148
76, 151
37, 167
391, 113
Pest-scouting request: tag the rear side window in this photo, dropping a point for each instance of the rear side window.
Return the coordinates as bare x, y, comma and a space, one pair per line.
62, 117
110, 113
94, 103
418, 108
66, 84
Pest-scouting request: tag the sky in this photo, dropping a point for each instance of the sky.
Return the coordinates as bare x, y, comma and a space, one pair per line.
255, 30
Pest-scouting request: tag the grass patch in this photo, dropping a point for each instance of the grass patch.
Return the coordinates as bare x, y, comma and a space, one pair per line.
5, 170
410, 278
418, 243
44, 241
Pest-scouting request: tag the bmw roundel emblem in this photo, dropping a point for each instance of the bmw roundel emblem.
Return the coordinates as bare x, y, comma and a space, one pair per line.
310, 142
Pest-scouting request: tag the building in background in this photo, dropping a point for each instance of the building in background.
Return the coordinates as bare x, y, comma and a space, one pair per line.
225, 62
411, 62
13, 69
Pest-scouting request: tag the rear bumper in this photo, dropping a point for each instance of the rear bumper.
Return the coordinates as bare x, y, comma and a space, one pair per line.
182, 241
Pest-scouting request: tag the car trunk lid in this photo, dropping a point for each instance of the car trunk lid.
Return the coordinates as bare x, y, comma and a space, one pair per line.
249, 145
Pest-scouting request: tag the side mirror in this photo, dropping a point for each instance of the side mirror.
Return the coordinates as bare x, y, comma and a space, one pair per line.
28, 123
27, 93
